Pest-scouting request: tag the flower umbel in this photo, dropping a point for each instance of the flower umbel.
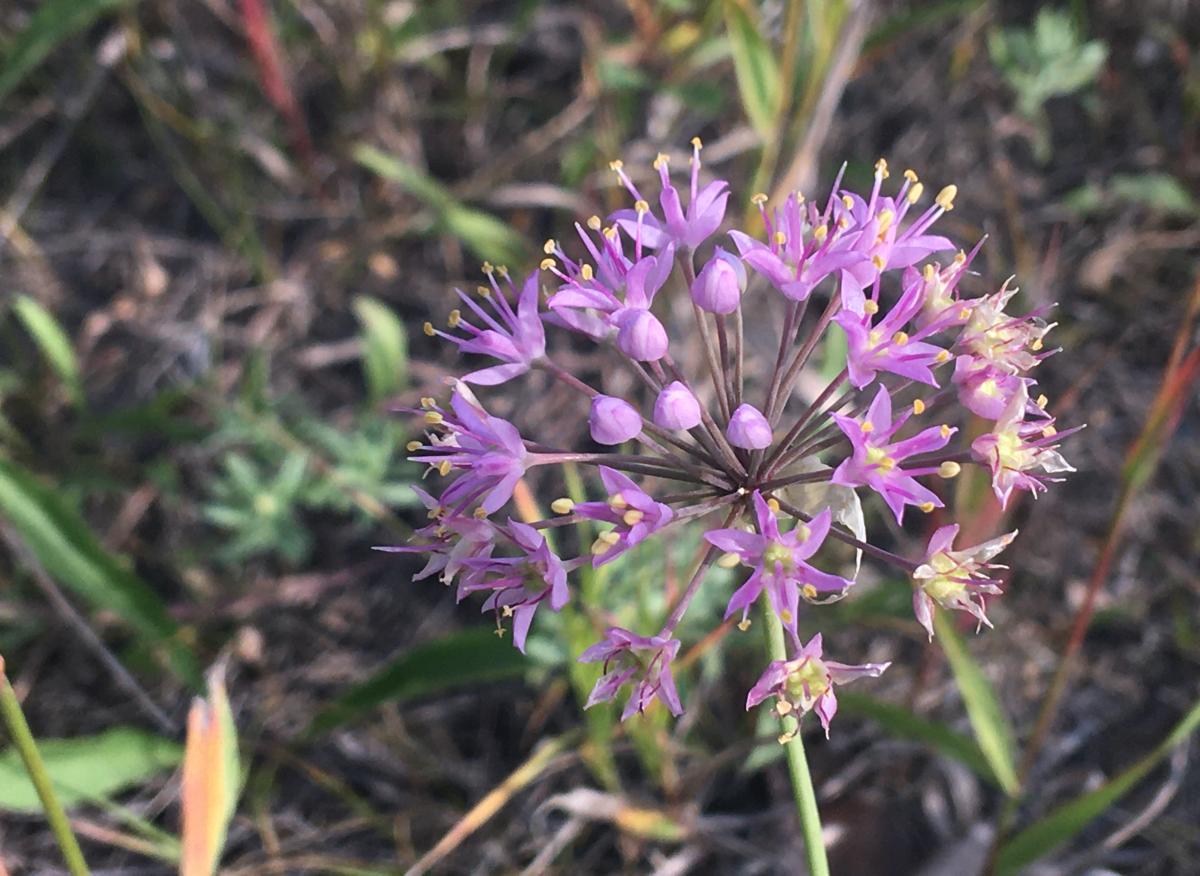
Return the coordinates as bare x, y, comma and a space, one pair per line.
684, 420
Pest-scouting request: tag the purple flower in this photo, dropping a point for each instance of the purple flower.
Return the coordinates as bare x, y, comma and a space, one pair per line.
517, 337
487, 450
875, 461
705, 210
676, 408
749, 429
886, 346
1010, 343
635, 514
1017, 449
613, 420
627, 655
450, 540
956, 579
719, 285
520, 584
983, 388
780, 562
806, 684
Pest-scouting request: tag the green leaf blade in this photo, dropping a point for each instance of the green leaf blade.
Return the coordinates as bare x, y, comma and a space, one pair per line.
53, 341
755, 68
385, 348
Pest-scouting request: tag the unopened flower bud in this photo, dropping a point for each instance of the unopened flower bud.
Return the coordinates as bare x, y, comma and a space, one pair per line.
613, 420
749, 429
718, 287
642, 337
676, 408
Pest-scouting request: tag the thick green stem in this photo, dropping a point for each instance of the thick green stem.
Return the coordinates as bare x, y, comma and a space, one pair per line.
22, 740
802, 786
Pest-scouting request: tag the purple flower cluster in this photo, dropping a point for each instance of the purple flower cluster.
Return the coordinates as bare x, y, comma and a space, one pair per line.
729, 448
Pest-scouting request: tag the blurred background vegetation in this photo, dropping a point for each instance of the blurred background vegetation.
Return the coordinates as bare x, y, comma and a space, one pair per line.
222, 223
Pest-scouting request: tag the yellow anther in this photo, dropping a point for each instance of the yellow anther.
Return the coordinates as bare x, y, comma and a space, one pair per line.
506, 611
945, 198
914, 194
729, 560
758, 199
949, 469
1042, 401
604, 542
820, 233
641, 207
429, 329
887, 463
616, 164
918, 406
927, 507
870, 307
433, 418
499, 630
632, 517
661, 160
885, 221
547, 264
809, 591
1049, 432
487, 268
960, 256
696, 142
802, 532
428, 402
786, 616
483, 291
773, 504
942, 356
744, 624
881, 168
562, 506
945, 431
444, 467
594, 223
479, 514
454, 318
843, 224
866, 426
586, 272
910, 175
549, 246
502, 270
1036, 345
611, 232
848, 201
782, 707
617, 502
964, 313
413, 446
780, 238
878, 262
929, 272
900, 339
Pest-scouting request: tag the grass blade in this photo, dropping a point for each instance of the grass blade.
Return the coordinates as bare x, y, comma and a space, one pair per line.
992, 729
52, 23
469, 657
903, 723
1042, 837
755, 68
53, 342
71, 553
211, 779
385, 348
480, 232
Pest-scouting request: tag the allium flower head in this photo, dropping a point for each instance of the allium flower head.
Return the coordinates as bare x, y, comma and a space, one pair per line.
700, 360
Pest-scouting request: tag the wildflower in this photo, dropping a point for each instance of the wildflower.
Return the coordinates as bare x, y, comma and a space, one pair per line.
875, 461
517, 337
613, 420
487, 450
956, 579
1012, 344
645, 657
519, 585
779, 560
749, 429
676, 407
634, 513
983, 388
806, 683
1017, 449
450, 540
705, 210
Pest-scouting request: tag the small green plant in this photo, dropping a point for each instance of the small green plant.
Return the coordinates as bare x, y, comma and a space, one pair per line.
1048, 60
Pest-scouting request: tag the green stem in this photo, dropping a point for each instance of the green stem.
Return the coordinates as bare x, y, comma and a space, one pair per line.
802, 786
22, 739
